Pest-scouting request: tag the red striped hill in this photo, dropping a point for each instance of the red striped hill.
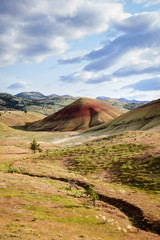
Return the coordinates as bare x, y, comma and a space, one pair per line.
79, 115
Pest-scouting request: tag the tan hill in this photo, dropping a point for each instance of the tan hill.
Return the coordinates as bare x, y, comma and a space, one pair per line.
79, 115
18, 118
123, 106
146, 117
4, 128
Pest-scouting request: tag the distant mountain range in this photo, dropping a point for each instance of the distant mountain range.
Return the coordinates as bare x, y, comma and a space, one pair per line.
38, 102
37, 95
45, 105
122, 100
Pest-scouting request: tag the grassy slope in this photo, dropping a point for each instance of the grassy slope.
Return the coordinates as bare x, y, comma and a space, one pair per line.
4, 128
125, 158
40, 208
123, 106
146, 117
45, 105
19, 118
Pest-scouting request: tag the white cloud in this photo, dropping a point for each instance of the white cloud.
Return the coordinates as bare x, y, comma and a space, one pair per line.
31, 30
139, 43
152, 84
147, 2
18, 85
133, 52
87, 77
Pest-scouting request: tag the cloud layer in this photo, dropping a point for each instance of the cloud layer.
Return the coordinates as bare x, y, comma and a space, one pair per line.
152, 84
18, 85
148, 2
135, 51
31, 30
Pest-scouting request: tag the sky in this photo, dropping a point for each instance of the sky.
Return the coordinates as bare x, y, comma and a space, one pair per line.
85, 48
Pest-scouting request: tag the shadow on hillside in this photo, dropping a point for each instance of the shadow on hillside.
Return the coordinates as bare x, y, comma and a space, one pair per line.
69, 206
22, 128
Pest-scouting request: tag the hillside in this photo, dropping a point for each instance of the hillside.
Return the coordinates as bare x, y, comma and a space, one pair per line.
43, 195
19, 118
37, 95
45, 105
103, 163
124, 100
4, 128
146, 117
81, 114
122, 106
9, 102
30, 95
48, 105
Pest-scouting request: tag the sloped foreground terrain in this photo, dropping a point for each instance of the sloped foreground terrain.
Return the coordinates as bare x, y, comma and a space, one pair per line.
146, 117
80, 115
43, 195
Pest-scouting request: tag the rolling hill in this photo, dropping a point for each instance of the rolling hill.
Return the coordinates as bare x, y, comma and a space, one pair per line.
4, 128
124, 100
146, 117
46, 105
18, 118
81, 114
122, 106
30, 95
37, 95
50, 104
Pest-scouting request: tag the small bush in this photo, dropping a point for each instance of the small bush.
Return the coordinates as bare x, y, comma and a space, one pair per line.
35, 146
92, 193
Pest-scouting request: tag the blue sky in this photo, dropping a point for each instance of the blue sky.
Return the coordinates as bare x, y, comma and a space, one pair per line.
81, 47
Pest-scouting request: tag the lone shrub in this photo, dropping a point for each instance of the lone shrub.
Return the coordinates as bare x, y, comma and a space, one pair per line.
35, 146
90, 191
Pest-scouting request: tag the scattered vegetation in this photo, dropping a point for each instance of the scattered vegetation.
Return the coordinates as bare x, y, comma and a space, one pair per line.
144, 174
121, 162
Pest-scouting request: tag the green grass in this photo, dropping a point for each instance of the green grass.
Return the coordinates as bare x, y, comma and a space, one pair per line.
121, 162
144, 174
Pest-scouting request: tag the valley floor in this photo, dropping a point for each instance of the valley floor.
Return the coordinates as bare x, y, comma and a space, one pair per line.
42, 195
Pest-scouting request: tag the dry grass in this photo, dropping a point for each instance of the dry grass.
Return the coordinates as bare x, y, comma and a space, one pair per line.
19, 118
146, 117
34, 208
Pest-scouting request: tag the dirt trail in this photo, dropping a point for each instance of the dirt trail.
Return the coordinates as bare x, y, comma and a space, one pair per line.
73, 140
135, 214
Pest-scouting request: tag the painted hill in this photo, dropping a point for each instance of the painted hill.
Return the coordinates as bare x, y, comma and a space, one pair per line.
146, 117
79, 115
